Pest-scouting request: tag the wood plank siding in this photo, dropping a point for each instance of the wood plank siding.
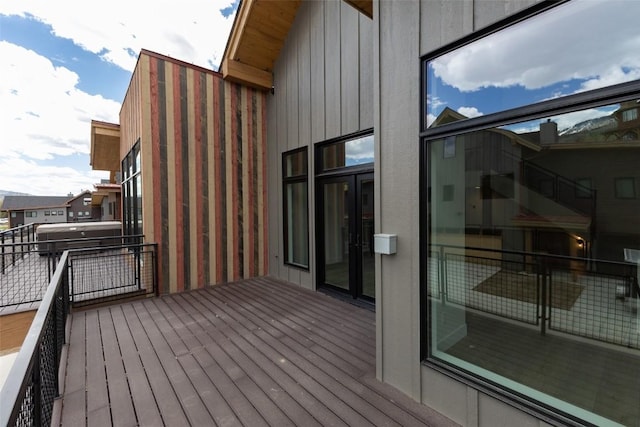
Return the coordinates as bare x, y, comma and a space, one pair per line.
203, 155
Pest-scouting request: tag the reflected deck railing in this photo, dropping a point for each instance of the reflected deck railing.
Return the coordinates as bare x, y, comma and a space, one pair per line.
595, 299
82, 276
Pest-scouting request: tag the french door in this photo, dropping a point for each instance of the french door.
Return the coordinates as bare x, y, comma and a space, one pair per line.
345, 234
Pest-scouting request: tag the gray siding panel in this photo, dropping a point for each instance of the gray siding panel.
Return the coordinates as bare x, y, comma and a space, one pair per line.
304, 79
316, 47
350, 73
366, 72
292, 93
321, 90
332, 67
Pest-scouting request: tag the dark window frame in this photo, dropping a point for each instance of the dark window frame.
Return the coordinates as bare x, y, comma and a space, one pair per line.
617, 193
598, 97
319, 169
132, 212
286, 181
583, 191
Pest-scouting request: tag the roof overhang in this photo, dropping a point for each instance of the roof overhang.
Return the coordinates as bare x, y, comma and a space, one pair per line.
259, 31
102, 191
364, 6
105, 146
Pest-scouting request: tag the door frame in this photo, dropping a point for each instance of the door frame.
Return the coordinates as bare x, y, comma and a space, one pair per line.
353, 176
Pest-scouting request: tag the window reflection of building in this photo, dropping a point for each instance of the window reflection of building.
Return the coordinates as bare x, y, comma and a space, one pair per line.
535, 181
542, 202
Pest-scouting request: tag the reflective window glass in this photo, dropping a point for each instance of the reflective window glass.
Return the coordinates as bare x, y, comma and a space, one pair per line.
528, 261
531, 230
352, 152
296, 208
535, 60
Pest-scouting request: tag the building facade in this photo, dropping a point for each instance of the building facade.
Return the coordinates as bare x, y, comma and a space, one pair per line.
23, 210
467, 169
513, 212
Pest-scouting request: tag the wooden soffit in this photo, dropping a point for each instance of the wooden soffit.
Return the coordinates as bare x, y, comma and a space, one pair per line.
105, 146
364, 6
259, 31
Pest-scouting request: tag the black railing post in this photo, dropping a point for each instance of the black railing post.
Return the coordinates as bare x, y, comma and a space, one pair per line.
156, 275
138, 251
13, 248
69, 280
542, 274
441, 275
3, 254
22, 243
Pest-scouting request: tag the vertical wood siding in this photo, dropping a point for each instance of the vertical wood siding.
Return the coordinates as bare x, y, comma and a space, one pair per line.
206, 172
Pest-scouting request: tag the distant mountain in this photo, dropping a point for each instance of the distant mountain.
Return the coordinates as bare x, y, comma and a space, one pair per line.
9, 193
12, 193
590, 125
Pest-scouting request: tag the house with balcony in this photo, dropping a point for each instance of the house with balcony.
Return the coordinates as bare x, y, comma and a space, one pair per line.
377, 212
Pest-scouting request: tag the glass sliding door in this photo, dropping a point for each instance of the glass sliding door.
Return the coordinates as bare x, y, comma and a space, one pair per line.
337, 235
346, 235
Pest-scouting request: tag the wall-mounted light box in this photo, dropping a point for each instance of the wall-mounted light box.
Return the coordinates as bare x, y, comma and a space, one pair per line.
385, 244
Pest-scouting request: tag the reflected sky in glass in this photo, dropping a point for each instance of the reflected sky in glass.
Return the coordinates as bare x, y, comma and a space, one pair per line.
577, 46
359, 151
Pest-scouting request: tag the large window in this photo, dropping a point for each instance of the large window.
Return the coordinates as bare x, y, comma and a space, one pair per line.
132, 192
296, 207
530, 270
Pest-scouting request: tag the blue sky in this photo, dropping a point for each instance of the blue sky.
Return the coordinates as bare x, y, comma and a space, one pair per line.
541, 60
60, 70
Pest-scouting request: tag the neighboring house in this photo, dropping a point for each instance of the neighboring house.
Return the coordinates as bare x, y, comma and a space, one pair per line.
24, 210
107, 199
328, 124
81, 209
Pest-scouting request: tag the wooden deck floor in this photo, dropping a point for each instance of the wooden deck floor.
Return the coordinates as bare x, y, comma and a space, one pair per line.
252, 353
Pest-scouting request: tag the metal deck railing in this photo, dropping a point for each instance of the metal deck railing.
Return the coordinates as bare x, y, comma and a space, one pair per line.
29, 265
81, 277
595, 299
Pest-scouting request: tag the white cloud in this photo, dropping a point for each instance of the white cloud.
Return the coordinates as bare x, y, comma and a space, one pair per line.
43, 115
571, 42
469, 112
43, 112
194, 31
28, 176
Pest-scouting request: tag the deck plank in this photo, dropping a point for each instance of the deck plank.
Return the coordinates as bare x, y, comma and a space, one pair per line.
258, 352
285, 388
261, 392
74, 412
357, 411
122, 411
165, 398
147, 411
193, 407
97, 393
